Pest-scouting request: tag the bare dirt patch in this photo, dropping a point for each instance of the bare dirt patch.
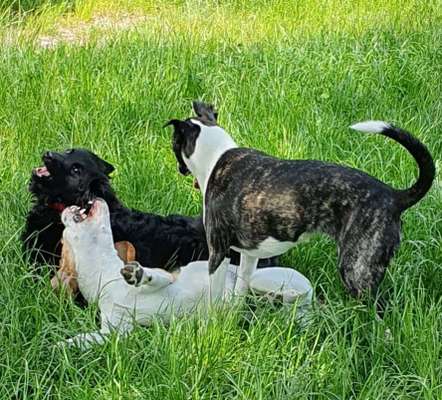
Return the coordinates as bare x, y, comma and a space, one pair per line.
79, 32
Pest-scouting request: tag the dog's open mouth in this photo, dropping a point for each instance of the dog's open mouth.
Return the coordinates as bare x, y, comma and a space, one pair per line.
42, 172
196, 184
80, 214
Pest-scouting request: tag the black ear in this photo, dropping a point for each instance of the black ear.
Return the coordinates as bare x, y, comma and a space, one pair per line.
103, 166
206, 112
174, 122
106, 167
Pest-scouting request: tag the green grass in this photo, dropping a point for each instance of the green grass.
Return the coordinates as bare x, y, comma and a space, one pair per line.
288, 78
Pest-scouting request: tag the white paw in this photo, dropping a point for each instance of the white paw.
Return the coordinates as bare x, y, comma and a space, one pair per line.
61, 344
65, 344
133, 274
241, 288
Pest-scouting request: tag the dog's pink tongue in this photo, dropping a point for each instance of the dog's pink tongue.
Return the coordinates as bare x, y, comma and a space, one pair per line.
196, 185
42, 171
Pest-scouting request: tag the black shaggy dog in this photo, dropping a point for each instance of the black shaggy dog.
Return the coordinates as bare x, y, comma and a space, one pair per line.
78, 176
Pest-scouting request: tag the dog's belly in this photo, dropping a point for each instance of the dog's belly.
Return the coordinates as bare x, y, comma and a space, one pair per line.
269, 247
186, 295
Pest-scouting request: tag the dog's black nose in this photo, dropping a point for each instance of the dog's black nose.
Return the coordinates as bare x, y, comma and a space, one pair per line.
183, 170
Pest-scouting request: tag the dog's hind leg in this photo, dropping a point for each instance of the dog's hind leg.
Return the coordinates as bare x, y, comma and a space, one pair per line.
365, 250
246, 269
118, 324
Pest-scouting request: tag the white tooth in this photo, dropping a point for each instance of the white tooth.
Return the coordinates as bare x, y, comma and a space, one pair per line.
90, 202
82, 211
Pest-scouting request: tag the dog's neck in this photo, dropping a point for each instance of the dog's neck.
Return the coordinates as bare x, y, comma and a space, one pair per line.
211, 144
57, 206
96, 260
104, 190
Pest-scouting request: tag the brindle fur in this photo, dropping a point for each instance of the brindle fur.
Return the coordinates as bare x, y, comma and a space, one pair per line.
251, 196
284, 199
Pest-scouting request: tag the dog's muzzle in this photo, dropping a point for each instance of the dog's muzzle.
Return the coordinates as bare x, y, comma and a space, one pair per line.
183, 170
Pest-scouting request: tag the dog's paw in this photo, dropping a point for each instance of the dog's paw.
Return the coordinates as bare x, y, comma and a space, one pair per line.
241, 288
61, 345
132, 273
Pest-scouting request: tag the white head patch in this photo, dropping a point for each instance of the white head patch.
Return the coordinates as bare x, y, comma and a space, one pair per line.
211, 144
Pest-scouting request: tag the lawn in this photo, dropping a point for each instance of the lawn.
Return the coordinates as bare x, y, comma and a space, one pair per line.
288, 78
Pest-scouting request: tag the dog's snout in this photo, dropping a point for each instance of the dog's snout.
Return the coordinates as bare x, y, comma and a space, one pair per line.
52, 158
183, 170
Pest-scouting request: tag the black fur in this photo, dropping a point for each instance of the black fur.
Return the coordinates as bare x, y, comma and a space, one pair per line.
78, 176
205, 113
180, 145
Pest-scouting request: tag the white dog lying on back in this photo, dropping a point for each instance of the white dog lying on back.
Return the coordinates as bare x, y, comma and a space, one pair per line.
146, 293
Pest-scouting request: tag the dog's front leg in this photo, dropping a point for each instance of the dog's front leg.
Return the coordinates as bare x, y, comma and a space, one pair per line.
138, 276
218, 242
217, 276
246, 269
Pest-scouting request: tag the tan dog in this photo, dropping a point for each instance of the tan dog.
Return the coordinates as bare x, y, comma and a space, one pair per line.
66, 276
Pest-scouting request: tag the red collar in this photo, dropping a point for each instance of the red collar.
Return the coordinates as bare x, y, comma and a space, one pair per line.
59, 207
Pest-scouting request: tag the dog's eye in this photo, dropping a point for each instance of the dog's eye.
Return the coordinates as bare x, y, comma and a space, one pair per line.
69, 151
76, 169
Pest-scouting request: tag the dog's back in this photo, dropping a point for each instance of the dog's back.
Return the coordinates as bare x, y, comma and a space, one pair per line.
264, 196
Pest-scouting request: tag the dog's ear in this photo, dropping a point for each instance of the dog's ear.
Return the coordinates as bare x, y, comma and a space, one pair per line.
103, 166
106, 167
174, 122
126, 251
206, 112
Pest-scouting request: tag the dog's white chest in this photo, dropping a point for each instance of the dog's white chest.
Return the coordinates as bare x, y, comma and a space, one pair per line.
269, 247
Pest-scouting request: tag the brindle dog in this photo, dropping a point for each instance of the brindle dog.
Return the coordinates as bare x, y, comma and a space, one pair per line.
260, 205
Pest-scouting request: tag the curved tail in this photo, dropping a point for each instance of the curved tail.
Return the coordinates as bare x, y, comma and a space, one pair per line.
407, 197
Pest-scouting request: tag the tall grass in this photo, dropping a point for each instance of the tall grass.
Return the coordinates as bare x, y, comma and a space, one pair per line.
288, 78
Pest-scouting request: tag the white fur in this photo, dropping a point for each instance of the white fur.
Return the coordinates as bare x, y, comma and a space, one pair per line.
371, 126
289, 282
269, 247
160, 293
246, 269
211, 144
